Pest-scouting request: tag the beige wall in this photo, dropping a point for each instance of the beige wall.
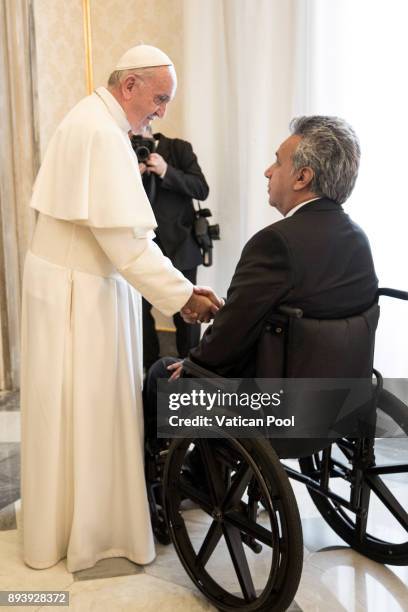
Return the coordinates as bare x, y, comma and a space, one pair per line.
116, 26
60, 62
120, 24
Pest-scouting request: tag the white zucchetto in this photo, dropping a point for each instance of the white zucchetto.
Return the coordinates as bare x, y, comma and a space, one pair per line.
143, 56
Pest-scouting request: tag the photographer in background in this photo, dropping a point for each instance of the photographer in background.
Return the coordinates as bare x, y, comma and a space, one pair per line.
172, 178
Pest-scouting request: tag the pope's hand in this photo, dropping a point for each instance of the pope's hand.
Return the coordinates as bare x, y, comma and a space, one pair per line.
202, 306
155, 163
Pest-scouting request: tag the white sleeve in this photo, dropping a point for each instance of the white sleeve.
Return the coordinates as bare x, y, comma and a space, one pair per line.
140, 261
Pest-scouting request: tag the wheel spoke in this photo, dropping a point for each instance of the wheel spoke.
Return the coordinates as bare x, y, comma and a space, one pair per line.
395, 468
347, 448
195, 495
213, 472
244, 524
239, 484
388, 499
239, 560
209, 544
362, 516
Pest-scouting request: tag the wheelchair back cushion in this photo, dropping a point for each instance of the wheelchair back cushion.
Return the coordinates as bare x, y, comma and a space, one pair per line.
318, 348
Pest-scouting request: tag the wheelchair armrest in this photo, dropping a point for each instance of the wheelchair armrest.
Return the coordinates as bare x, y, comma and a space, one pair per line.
394, 293
197, 371
291, 312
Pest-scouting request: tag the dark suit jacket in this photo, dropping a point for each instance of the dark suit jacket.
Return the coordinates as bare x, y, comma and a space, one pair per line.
318, 260
172, 201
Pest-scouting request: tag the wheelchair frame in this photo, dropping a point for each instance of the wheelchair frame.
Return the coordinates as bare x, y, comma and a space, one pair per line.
316, 472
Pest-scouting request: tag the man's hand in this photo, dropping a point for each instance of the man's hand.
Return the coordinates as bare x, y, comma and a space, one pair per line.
175, 369
142, 167
202, 306
155, 163
198, 309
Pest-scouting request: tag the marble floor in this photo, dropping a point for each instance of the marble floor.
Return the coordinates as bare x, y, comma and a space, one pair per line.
334, 579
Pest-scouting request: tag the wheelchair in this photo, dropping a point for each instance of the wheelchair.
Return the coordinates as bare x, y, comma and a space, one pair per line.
241, 486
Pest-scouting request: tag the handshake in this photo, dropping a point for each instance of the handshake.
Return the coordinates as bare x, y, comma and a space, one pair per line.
202, 306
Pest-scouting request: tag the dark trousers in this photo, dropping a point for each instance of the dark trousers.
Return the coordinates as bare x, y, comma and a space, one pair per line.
192, 465
158, 370
187, 335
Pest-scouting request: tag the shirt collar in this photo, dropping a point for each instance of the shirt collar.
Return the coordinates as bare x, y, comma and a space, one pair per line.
296, 208
114, 108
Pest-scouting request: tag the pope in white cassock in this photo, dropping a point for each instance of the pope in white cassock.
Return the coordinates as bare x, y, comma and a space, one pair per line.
83, 487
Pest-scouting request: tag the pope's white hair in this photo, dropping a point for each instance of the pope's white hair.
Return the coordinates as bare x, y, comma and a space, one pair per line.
118, 76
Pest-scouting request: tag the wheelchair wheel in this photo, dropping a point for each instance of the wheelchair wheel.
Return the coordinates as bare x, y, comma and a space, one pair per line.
379, 528
263, 550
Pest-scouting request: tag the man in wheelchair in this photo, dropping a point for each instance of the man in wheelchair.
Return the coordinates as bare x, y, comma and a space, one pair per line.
317, 262
315, 259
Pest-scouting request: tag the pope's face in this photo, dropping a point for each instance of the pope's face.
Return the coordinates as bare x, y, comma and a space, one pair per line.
149, 97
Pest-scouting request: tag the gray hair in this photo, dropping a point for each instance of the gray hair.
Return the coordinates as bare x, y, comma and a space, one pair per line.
118, 75
330, 147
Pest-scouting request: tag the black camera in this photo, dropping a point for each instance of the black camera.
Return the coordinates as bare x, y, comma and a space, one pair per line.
205, 233
143, 147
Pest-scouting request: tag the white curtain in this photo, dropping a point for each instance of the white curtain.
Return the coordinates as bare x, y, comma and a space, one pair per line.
238, 90
351, 61
249, 67
18, 166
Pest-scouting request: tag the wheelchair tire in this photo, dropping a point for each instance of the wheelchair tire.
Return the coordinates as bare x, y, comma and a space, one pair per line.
235, 472
375, 548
